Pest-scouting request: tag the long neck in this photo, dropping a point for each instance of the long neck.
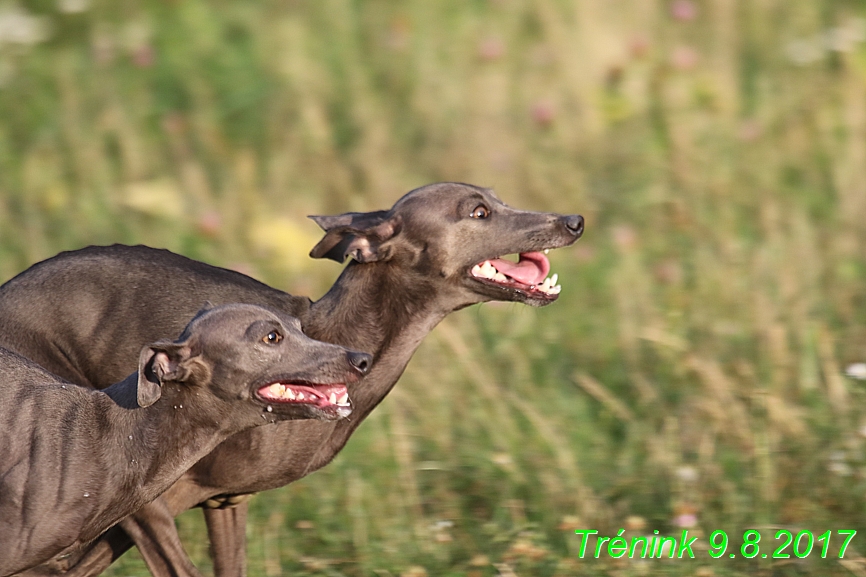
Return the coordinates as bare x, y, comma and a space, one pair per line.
378, 309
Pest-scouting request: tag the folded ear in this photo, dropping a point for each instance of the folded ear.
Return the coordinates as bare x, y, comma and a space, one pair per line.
362, 235
148, 390
158, 363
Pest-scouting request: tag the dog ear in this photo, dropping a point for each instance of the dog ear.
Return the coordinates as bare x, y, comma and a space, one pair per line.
363, 236
148, 390
159, 363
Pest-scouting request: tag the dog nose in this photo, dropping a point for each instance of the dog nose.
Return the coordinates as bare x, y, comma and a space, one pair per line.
361, 362
574, 224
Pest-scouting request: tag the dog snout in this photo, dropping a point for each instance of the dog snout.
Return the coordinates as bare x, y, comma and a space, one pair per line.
361, 362
574, 224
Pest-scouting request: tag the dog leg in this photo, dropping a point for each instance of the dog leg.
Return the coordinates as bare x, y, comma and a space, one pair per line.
226, 528
153, 530
101, 554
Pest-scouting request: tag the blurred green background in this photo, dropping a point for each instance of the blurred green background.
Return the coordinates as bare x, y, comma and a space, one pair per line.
699, 370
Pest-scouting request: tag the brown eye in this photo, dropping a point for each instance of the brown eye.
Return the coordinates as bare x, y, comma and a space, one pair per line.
272, 338
480, 212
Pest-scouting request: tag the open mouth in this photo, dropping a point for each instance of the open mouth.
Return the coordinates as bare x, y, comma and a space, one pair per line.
527, 275
322, 396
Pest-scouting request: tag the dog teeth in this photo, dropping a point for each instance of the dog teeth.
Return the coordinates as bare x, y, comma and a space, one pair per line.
488, 271
277, 390
281, 391
549, 286
343, 400
547, 251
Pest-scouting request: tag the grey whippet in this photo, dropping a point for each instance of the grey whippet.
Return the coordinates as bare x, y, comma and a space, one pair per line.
435, 251
74, 461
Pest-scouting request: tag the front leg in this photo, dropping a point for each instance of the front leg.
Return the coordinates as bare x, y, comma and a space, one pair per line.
226, 527
155, 534
102, 553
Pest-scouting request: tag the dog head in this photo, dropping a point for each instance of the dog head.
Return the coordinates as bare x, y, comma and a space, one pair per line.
256, 359
457, 234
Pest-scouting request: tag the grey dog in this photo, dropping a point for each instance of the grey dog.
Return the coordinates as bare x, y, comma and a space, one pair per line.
75, 460
83, 314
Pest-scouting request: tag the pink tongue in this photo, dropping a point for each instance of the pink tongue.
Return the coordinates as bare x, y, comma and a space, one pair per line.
531, 269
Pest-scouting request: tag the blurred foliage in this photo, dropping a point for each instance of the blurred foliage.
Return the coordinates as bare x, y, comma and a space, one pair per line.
692, 374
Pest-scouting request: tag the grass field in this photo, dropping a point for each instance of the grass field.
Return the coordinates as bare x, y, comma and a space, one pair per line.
693, 372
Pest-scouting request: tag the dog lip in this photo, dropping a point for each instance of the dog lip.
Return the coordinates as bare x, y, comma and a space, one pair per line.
525, 290
334, 412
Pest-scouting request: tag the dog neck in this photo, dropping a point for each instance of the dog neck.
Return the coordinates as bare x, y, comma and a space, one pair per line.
371, 306
381, 309
156, 459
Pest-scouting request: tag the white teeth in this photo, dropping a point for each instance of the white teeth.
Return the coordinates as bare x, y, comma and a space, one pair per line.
488, 271
549, 286
332, 399
300, 396
276, 390
343, 400
546, 251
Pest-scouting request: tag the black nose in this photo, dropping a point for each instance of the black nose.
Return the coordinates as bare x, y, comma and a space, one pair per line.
361, 362
574, 224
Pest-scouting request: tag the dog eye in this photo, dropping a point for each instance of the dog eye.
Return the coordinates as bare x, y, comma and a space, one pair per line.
480, 211
272, 338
